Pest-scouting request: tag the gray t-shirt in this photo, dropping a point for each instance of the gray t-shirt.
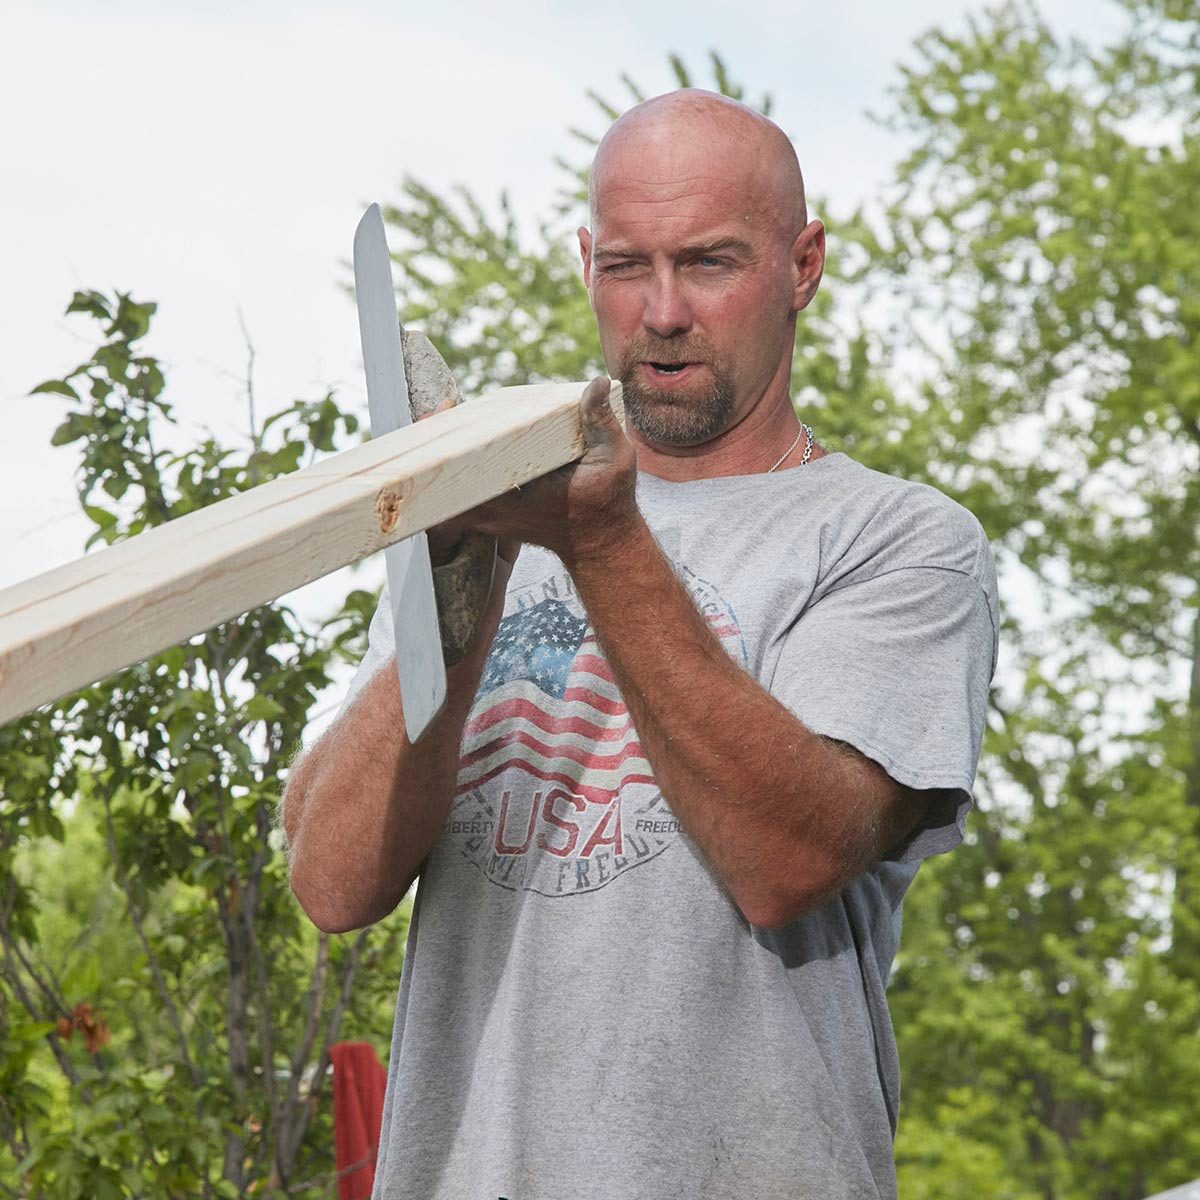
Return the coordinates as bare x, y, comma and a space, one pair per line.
583, 1011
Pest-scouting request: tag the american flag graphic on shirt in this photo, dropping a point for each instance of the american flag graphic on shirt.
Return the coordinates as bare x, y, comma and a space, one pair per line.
553, 710
555, 794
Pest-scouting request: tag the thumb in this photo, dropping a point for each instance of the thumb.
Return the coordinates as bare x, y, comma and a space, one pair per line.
601, 429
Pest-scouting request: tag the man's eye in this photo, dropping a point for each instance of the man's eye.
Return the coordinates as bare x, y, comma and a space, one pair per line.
617, 267
710, 260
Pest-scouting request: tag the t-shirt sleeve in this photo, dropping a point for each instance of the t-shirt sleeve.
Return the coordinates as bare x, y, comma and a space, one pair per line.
898, 665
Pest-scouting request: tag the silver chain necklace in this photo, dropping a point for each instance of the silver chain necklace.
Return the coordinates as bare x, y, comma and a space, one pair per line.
808, 445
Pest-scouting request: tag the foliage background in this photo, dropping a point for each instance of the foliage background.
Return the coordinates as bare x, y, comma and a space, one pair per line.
1013, 321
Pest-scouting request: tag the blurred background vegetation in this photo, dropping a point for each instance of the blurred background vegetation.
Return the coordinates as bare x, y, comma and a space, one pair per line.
1013, 321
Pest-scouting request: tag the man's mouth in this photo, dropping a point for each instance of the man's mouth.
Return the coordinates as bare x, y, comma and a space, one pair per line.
665, 376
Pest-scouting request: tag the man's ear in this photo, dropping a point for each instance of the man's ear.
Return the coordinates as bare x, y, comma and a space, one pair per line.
808, 264
585, 252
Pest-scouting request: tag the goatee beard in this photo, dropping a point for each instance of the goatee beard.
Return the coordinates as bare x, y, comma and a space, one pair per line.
675, 417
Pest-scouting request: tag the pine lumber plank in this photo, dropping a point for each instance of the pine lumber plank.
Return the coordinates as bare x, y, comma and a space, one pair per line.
65, 629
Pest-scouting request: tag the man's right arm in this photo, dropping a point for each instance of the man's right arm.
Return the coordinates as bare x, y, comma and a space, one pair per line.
364, 806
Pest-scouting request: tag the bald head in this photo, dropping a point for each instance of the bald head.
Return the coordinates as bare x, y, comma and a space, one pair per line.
686, 132
698, 256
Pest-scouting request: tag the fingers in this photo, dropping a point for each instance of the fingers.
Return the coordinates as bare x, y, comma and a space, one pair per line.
445, 540
597, 391
601, 428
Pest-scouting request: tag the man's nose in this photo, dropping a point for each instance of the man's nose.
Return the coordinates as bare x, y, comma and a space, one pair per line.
667, 311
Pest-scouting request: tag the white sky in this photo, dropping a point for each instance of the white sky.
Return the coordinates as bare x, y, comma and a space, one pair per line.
215, 156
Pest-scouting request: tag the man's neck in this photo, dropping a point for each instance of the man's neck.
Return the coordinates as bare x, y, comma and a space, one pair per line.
751, 447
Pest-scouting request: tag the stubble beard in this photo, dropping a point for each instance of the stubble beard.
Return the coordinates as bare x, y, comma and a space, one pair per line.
677, 417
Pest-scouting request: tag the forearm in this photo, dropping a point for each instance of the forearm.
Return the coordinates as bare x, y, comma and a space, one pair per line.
364, 806
783, 815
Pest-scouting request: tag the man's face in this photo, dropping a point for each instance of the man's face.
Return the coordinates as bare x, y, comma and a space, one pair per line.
693, 290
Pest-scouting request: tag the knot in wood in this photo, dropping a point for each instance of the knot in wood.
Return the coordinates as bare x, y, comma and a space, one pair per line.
387, 507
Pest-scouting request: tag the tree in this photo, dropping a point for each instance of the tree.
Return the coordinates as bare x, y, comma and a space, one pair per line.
1040, 242
166, 1011
1046, 997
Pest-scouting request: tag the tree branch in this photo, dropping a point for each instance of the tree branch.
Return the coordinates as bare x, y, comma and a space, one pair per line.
255, 439
14, 978
350, 973
289, 1142
54, 998
235, 1030
329, 1177
248, 913
354, 959
156, 971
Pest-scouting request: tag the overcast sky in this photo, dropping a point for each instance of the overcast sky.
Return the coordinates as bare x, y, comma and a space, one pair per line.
216, 157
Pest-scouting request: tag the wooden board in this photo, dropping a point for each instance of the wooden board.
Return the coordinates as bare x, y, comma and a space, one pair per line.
71, 626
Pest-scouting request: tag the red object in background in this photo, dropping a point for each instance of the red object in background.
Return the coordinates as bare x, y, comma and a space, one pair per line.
358, 1085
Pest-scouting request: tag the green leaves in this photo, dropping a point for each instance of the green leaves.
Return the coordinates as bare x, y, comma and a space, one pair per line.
143, 877
1038, 243
1017, 330
59, 387
105, 522
262, 708
71, 430
93, 303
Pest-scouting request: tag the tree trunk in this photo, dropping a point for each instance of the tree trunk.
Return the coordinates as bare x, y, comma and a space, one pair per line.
235, 1026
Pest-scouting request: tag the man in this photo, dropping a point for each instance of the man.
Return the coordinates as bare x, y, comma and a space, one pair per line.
729, 695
